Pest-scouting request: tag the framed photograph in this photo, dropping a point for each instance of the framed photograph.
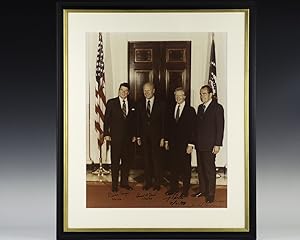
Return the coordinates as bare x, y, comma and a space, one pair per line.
156, 120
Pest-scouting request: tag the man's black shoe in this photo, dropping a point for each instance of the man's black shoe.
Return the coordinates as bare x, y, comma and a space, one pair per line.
171, 191
146, 187
199, 194
209, 199
126, 187
184, 194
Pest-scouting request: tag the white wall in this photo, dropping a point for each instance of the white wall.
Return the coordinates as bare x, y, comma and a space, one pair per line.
116, 70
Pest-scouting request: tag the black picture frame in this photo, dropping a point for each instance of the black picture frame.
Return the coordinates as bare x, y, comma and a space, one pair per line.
63, 233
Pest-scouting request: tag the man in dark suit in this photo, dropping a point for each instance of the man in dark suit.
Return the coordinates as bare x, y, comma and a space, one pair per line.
119, 125
180, 142
209, 138
151, 131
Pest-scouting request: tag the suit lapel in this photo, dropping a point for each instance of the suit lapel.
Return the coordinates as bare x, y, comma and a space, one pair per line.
210, 107
153, 110
129, 107
201, 109
143, 109
118, 103
200, 112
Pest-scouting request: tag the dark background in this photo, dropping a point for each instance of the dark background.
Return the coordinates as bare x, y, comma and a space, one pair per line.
28, 120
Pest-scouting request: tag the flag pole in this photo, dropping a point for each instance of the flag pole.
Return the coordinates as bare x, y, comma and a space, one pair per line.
212, 79
100, 79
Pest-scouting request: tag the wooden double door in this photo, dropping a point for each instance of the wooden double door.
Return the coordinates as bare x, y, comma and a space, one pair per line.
166, 64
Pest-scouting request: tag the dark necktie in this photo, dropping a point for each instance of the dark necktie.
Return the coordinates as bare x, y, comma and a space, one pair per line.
148, 109
177, 113
124, 109
203, 106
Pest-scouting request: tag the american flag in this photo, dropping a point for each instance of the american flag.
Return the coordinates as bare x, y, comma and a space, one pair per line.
212, 77
100, 105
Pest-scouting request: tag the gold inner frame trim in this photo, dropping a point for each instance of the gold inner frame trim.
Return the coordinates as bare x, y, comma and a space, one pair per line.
65, 122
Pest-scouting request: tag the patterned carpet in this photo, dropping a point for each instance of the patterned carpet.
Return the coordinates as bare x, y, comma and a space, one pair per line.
99, 194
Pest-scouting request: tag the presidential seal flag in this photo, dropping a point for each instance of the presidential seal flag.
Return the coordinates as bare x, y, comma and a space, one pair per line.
212, 77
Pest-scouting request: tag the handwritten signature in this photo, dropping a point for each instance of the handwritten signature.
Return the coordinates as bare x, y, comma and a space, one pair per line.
117, 196
213, 204
175, 200
145, 196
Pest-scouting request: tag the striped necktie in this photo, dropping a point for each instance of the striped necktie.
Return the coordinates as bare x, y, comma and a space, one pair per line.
148, 109
124, 109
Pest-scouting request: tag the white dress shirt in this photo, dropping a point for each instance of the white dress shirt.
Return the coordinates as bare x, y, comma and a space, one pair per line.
180, 108
126, 103
151, 103
207, 104
180, 112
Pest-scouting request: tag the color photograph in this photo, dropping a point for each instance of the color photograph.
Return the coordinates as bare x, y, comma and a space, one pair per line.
151, 143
